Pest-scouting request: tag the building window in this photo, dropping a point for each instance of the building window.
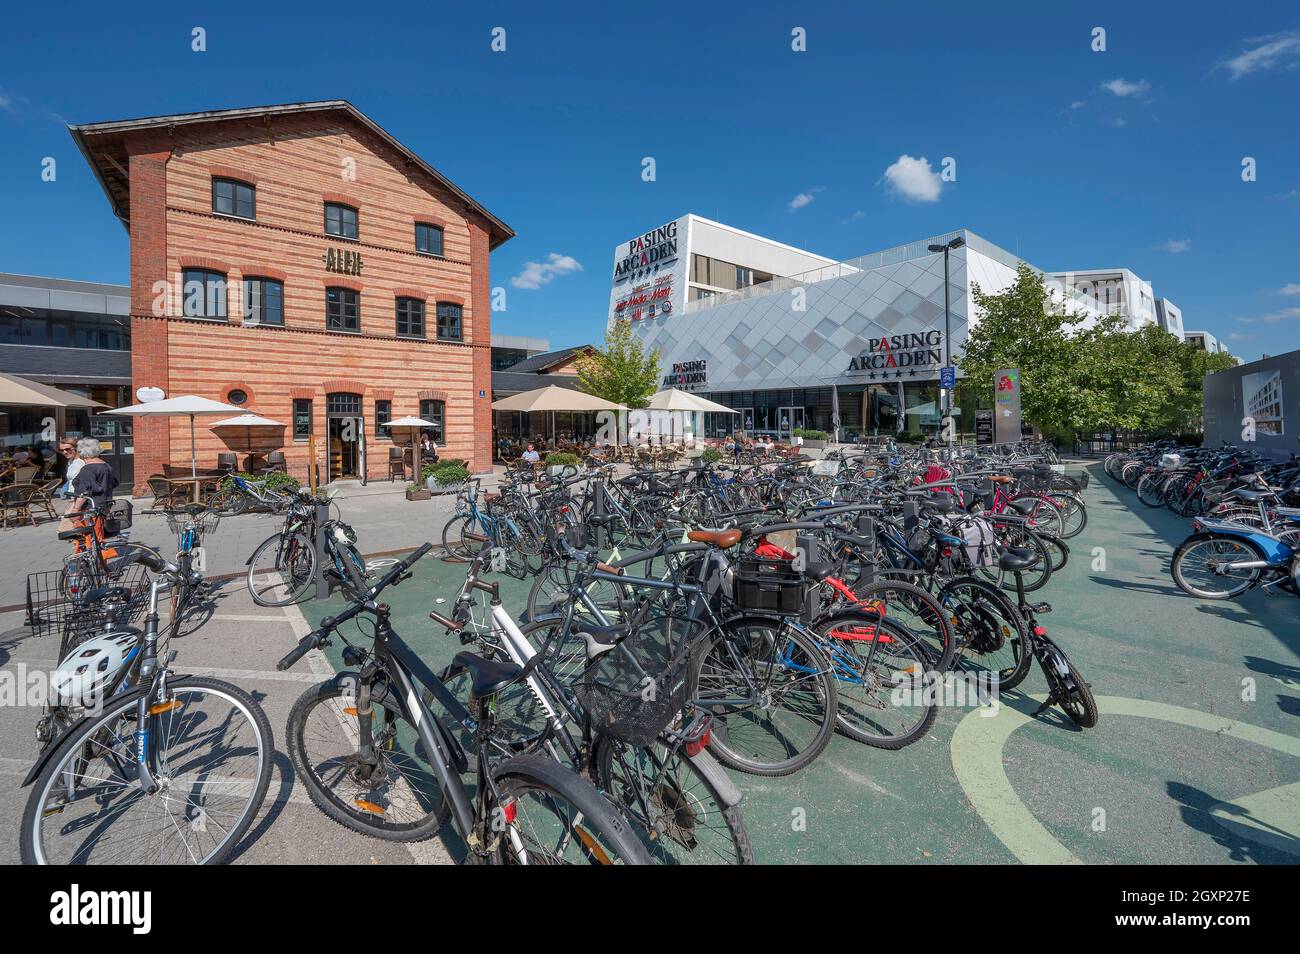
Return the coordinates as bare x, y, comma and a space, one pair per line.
449, 322
263, 301
237, 396
383, 414
301, 419
204, 294
433, 411
428, 239
744, 276
342, 310
65, 329
232, 197
340, 220
343, 404
410, 318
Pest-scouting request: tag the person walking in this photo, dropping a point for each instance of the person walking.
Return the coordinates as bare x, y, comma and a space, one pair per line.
95, 480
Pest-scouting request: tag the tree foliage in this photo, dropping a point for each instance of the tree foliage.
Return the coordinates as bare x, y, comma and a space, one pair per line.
1083, 379
622, 371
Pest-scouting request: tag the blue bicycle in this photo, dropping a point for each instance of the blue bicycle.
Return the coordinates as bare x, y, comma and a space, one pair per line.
476, 520
1221, 559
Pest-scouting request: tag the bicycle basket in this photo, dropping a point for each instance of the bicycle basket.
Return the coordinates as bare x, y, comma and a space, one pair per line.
56, 601
118, 518
197, 523
769, 586
634, 691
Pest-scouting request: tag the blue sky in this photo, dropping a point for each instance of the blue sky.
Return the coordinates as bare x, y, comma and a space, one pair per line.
1071, 158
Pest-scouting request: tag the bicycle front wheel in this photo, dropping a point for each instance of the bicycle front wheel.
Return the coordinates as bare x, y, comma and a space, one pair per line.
550, 815
281, 570
211, 748
771, 692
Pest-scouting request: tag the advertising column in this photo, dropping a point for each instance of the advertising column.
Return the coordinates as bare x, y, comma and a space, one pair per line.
1006, 405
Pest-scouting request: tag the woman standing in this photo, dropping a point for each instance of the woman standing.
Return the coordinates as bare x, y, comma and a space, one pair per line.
95, 481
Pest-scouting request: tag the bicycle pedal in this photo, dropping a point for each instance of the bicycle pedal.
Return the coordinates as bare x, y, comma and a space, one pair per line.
1041, 607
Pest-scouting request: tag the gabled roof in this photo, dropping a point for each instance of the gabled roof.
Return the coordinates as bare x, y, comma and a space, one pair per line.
506, 383
101, 144
541, 363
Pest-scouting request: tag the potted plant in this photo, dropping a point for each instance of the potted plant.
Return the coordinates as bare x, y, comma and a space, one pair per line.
808, 437
711, 455
416, 492
562, 464
446, 476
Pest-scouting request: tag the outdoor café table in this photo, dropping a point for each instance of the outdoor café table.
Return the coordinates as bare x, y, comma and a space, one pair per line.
196, 484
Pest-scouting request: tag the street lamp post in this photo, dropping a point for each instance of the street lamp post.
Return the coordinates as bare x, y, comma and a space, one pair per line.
957, 242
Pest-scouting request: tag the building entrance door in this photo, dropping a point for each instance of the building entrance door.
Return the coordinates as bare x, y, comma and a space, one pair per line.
745, 420
787, 419
117, 445
347, 437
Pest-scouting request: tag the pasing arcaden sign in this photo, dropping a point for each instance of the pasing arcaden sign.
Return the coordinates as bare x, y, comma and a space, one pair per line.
648, 253
920, 350
687, 375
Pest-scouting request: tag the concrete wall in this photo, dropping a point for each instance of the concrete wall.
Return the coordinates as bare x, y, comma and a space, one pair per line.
1225, 405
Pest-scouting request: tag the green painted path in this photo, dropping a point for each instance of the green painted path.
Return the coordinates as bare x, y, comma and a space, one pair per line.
1196, 757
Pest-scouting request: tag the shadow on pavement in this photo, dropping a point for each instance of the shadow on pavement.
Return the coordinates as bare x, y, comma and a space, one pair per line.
1229, 825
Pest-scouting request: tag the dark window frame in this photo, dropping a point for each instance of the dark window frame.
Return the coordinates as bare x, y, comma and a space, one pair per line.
436, 412
459, 318
302, 406
235, 186
342, 315
383, 414
208, 299
342, 232
411, 305
429, 228
263, 285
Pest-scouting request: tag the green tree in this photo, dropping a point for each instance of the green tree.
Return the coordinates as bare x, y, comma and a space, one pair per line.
1026, 327
622, 371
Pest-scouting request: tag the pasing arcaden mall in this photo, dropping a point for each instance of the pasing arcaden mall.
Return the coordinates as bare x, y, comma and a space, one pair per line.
793, 339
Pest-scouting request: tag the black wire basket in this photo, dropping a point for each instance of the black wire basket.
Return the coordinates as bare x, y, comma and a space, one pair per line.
634, 691
194, 523
58, 602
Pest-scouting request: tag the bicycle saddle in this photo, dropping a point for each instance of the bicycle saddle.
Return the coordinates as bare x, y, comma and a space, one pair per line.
944, 503
723, 539
1013, 559
487, 676
105, 593
75, 533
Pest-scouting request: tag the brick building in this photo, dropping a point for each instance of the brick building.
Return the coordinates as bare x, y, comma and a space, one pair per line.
300, 262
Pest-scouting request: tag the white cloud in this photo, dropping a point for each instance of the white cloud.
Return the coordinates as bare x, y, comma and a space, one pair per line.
804, 198
1290, 288
1123, 87
1174, 246
1273, 317
1078, 104
537, 274
914, 180
1238, 336
1277, 51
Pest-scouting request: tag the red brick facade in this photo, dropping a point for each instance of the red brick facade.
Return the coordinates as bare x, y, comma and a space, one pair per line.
297, 163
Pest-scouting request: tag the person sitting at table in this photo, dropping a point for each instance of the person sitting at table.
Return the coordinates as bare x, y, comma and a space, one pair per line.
428, 449
530, 456
95, 481
20, 456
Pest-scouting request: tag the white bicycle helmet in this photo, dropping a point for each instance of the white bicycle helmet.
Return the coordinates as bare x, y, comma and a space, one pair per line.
82, 675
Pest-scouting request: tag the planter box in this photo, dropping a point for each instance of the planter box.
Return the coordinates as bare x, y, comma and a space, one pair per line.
417, 494
812, 444
433, 487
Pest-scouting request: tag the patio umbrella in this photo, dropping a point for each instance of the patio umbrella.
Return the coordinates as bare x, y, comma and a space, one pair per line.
247, 422
187, 405
553, 398
25, 392
411, 424
673, 399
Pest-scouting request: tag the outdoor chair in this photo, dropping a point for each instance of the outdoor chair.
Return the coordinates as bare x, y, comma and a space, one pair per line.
396, 463
227, 462
24, 473
167, 494
275, 463
19, 503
